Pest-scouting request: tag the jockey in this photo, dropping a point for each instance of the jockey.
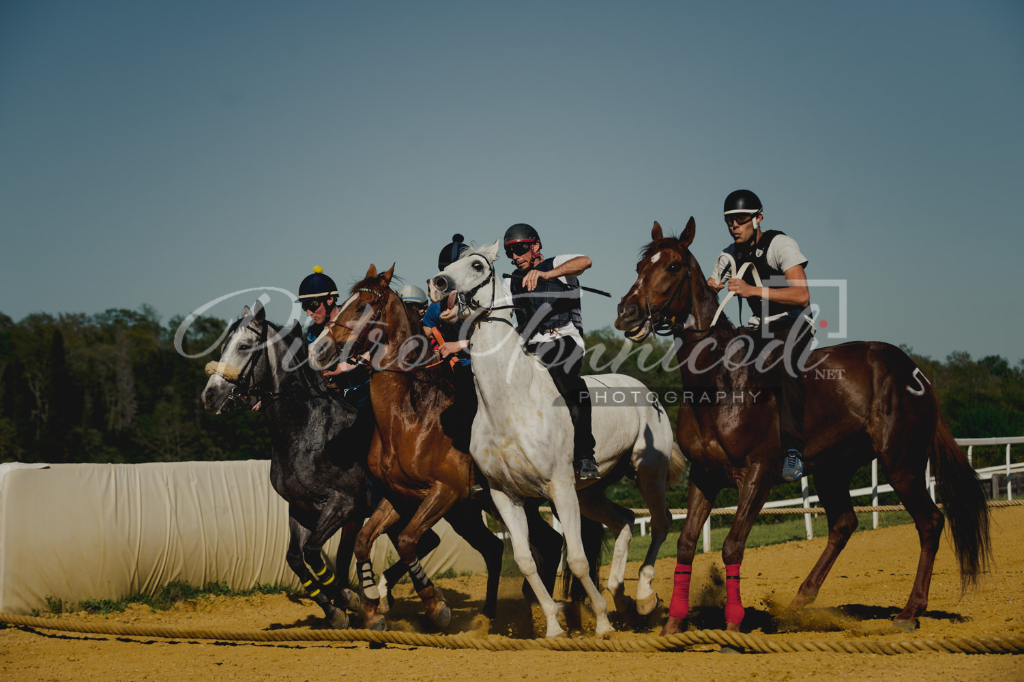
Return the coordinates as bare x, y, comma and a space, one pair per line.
457, 420
414, 298
319, 298
550, 320
778, 309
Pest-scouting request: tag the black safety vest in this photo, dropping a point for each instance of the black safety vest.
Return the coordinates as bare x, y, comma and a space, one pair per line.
556, 304
758, 255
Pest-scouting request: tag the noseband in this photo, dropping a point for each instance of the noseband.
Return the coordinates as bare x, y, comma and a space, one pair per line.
357, 345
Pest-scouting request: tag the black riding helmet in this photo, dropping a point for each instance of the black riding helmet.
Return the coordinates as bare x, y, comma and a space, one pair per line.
317, 286
451, 253
742, 201
520, 233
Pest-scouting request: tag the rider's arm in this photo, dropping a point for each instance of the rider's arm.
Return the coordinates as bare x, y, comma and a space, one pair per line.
343, 367
570, 268
794, 294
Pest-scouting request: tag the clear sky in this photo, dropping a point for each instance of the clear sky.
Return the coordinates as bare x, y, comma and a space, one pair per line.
171, 153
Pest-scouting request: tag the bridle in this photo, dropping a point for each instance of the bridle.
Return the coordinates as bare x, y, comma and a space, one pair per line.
363, 333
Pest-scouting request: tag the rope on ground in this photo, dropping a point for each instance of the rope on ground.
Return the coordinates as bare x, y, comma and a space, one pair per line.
736, 640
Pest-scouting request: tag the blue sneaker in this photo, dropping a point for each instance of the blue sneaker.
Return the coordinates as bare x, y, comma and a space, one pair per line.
792, 465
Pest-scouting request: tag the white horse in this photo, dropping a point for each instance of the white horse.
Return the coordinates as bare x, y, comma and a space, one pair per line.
522, 440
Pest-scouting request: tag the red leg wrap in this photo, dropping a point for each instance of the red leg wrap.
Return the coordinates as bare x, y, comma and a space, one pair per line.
733, 604
680, 606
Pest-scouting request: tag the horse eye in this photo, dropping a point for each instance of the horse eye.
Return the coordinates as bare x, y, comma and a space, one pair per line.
673, 268
244, 349
477, 265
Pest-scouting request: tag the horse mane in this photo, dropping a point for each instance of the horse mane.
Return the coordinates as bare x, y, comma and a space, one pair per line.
658, 245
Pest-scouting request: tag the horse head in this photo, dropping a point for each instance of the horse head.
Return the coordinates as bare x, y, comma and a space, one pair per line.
232, 379
662, 297
358, 324
468, 286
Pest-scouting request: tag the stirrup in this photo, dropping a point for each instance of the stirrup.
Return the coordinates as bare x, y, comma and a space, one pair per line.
589, 470
792, 466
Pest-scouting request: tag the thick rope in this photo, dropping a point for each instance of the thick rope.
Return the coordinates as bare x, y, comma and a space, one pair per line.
736, 640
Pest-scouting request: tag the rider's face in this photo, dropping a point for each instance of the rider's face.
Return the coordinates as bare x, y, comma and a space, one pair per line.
319, 314
741, 226
522, 261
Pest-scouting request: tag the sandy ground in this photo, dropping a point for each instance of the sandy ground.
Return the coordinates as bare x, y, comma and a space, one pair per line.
868, 585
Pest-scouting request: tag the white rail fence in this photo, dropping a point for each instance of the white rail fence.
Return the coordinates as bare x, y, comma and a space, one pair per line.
874, 489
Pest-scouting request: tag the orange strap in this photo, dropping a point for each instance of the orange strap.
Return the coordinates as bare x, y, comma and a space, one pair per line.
440, 340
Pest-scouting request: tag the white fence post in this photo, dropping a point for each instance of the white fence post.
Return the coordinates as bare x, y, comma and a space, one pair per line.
928, 480
808, 524
707, 535
970, 455
874, 492
1009, 487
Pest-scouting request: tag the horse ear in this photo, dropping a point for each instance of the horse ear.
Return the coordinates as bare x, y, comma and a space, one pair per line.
388, 275
372, 272
245, 313
656, 231
259, 312
686, 238
491, 252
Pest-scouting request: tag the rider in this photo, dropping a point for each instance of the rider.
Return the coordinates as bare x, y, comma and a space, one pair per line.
457, 420
778, 307
550, 319
414, 298
318, 295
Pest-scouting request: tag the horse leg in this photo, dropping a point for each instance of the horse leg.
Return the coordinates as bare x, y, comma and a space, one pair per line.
380, 520
545, 545
596, 506
651, 481
753, 491
567, 504
437, 503
910, 486
343, 596
333, 515
834, 493
514, 517
467, 520
299, 534
390, 576
698, 508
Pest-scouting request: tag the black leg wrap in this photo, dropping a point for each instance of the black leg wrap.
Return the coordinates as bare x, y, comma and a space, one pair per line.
419, 578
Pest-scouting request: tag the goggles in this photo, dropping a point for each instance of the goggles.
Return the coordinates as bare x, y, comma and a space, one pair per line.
313, 304
518, 249
739, 218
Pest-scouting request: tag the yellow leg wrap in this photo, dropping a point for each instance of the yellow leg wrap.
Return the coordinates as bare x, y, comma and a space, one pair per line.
314, 593
321, 572
307, 583
328, 581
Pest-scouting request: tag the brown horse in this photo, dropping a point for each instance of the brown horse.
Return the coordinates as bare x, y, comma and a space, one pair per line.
426, 476
864, 400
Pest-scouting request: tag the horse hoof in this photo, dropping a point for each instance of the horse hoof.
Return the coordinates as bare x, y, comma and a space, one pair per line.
379, 625
382, 588
732, 627
339, 621
443, 616
726, 649
350, 601
647, 606
905, 625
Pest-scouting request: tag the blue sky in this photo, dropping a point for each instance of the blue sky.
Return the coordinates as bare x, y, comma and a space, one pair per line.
172, 153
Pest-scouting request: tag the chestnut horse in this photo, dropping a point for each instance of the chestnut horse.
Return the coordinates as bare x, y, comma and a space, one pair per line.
428, 478
883, 406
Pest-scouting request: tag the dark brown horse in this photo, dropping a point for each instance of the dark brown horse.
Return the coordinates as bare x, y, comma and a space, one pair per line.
864, 400
426, 476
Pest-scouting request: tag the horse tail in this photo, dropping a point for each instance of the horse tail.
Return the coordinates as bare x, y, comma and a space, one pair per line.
964, 503
676, 467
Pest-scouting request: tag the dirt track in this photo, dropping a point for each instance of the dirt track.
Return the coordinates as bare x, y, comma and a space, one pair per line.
869, 584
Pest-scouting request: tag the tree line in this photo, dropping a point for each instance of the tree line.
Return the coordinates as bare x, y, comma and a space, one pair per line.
112, 387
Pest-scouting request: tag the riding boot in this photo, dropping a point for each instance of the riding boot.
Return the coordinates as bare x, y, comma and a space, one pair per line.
790, 397
565, 372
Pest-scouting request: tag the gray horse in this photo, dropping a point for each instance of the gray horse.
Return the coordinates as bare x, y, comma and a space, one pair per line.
319, 444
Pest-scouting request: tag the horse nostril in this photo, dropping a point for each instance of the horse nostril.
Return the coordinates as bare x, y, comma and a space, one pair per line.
441, 283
